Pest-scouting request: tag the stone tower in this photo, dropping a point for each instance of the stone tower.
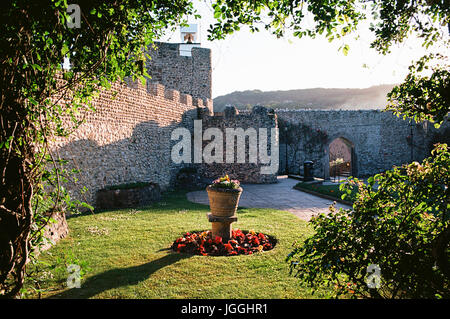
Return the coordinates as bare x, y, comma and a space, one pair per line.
182, 67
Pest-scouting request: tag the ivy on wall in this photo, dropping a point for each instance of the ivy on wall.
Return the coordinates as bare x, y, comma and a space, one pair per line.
302, 141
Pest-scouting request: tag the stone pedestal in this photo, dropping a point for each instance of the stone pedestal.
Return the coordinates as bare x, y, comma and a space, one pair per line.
221, 225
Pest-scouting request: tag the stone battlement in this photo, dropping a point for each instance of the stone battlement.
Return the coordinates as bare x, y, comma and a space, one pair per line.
157, 89
172, 95
127, 138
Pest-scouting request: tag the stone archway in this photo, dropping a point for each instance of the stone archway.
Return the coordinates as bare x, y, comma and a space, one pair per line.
340, 158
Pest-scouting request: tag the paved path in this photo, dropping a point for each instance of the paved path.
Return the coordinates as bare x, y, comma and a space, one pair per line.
278, 196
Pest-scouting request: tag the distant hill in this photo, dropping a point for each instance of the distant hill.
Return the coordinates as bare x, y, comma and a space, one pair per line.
370, 98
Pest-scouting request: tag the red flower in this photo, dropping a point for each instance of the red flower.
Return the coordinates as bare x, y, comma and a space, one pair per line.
218, 240
205, 244
255, 241
237, 233
241, 249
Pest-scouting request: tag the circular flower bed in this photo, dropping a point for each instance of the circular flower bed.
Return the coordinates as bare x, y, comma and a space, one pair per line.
241, 243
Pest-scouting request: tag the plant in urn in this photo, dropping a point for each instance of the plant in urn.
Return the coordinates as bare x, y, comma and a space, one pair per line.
223, 196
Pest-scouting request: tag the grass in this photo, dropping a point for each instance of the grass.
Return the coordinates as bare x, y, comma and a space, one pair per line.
125, 254
328, 190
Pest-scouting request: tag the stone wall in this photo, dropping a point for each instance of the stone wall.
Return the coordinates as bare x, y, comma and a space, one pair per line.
127, 138
186, 74
379, 139
54, 231
247, 172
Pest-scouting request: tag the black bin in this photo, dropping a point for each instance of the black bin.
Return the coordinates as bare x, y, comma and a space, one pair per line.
308, 169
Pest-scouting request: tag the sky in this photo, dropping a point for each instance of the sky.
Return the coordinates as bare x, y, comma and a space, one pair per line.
249, 61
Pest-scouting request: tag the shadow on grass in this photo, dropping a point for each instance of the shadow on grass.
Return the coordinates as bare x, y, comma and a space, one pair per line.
116, 278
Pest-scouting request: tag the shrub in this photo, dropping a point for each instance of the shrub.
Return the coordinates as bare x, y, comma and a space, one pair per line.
187, 170
129, 185
395, 227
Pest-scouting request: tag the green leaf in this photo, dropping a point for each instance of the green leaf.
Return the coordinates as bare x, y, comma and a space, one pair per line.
345, 49
64, 49
36, 67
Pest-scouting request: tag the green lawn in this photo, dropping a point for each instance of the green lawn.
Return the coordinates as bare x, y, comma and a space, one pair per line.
126, 255
328, 190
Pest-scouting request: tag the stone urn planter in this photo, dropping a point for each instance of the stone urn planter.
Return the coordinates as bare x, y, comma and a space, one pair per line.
223, 203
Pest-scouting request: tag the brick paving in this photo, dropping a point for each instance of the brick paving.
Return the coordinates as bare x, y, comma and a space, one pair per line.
278, 196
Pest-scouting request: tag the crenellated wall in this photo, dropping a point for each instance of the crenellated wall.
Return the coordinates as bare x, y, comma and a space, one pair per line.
127, 138
259, 118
